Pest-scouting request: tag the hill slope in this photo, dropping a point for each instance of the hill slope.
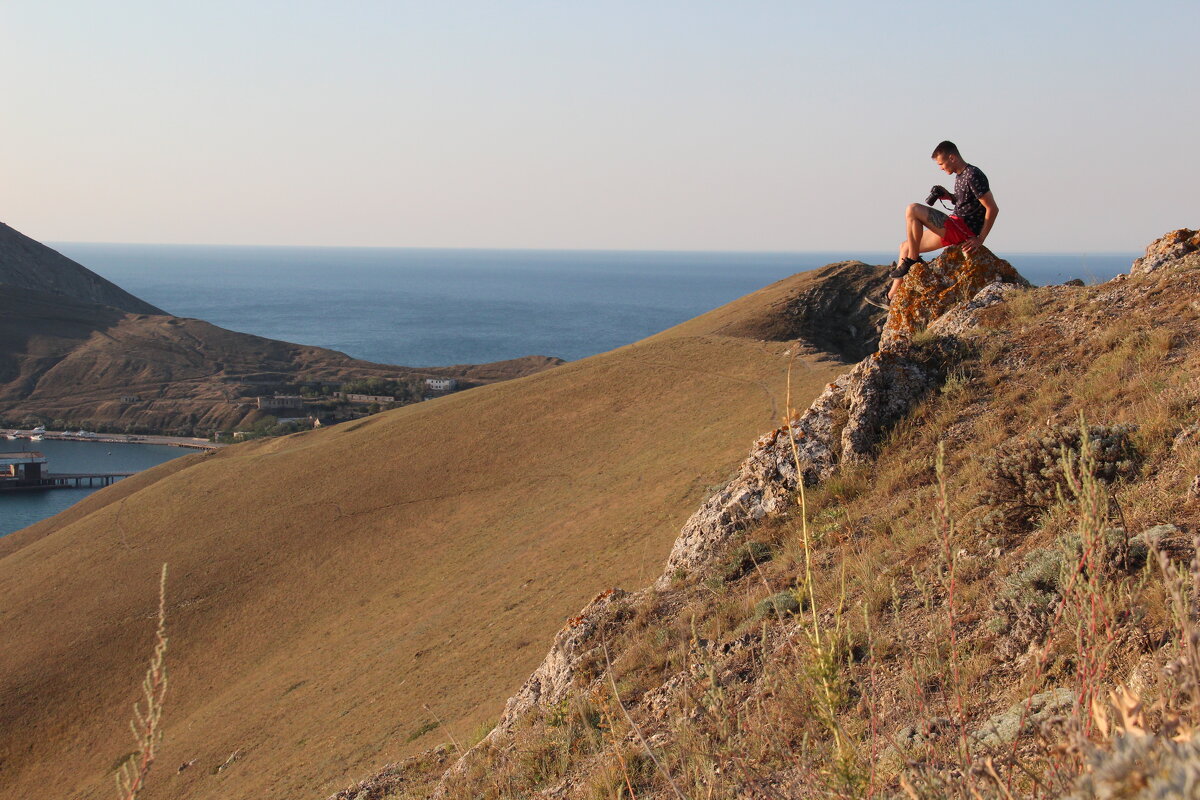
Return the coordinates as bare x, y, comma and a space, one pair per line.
331, 592
28, 264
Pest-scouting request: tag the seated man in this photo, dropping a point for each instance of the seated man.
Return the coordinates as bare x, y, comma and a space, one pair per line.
929, 229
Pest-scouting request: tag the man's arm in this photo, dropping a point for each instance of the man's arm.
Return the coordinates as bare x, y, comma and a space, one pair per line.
990, 210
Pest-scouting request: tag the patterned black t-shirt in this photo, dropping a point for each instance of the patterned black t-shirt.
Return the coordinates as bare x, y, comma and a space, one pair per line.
970, 184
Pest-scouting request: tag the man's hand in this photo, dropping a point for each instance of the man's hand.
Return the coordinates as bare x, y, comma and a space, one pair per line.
969, 245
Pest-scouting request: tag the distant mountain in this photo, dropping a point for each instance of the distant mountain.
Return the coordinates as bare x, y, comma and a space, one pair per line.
79, 350
28, 264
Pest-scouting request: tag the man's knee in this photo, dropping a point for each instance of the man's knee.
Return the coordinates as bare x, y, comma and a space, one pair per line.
915, 211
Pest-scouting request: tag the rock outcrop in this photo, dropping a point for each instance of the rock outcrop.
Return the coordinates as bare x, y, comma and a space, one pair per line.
1165, 249
845, 423
931, 289
960, 319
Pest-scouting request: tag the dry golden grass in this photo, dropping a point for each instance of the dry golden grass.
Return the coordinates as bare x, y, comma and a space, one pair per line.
328, 586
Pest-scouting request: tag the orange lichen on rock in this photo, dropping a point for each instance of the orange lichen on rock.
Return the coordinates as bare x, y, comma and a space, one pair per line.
576, 621
931, 289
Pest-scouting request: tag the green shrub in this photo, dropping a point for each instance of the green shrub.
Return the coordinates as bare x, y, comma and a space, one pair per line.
777, 605
425, 728
744, 559
1026, 478
1031, 594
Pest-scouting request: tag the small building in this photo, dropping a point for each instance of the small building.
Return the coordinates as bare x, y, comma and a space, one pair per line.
367, 399
441, 384
281, 402
131, 398
21, 469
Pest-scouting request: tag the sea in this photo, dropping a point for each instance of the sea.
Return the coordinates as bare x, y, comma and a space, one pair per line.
433, 307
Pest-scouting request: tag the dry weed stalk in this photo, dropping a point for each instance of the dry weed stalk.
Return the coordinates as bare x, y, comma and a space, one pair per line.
1094, 634
1083, 594
946, 530
1183, 592
131, 776
824, 665
642, 739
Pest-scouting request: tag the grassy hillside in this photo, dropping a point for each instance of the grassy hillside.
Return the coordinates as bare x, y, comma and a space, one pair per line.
342, 598
957, 618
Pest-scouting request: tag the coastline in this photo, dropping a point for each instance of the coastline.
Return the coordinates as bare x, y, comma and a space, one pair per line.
12, 434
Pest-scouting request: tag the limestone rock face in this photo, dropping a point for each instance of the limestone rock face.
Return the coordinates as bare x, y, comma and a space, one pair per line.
842, 426
929, 290
887, 386
1165, 249
962, 318
809, 445
551, 682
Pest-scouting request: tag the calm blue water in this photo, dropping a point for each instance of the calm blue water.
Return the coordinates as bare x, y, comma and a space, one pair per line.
19, 509
435, 307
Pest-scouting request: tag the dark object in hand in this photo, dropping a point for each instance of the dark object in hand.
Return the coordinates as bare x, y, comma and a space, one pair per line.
935, 194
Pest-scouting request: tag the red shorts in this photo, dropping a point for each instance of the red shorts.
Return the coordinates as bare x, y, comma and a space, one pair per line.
957, 232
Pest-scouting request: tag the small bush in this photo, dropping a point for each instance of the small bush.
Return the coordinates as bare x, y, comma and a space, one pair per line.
1026, 478
777, 605
744, 559
1030, 596
422, 730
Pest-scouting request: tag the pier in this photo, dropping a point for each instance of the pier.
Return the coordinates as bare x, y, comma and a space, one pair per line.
81, 480
22, 472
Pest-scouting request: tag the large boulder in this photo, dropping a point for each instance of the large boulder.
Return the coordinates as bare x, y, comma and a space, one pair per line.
931, 289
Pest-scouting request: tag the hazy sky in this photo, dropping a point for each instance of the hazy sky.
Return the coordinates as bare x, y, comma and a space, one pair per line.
642, 124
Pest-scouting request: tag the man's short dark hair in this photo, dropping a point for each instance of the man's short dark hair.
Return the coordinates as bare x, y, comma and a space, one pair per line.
946, 149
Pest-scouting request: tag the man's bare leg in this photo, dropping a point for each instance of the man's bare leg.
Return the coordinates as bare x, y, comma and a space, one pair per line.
928, 242
925, 227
